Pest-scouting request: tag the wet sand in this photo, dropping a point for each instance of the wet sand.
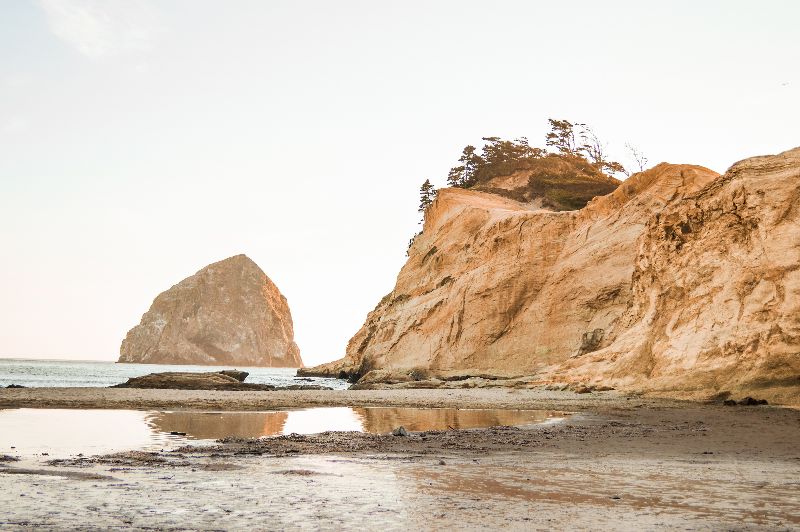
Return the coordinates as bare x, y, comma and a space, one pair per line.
618, 463
126, 398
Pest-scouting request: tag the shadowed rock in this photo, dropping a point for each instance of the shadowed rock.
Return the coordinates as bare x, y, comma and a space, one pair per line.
218, 380
191, 381
235, 373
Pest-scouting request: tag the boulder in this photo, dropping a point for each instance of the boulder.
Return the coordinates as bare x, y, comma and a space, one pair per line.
400, 431
235, 373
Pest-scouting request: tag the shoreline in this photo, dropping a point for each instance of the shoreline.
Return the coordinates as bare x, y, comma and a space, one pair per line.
619, 462
153, 399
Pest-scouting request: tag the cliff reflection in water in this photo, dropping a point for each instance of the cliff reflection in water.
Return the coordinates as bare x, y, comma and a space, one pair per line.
377, 420
383, 420
216, 425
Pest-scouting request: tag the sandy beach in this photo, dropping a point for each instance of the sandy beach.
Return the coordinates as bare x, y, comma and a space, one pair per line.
618, 462
243, 400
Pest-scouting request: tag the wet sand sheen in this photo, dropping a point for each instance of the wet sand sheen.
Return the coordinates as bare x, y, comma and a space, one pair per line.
68, 432
619, 462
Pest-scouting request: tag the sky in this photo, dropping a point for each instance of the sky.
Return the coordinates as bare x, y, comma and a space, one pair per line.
142, 140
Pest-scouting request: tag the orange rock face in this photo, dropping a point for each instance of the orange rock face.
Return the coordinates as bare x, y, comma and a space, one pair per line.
228, 313
715, 292
681, 280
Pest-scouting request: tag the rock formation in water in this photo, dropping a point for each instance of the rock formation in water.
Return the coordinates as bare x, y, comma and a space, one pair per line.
680, 281
214, 380
228, 313
230, 380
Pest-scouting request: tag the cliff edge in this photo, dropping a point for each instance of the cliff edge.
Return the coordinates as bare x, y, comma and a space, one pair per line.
680, 281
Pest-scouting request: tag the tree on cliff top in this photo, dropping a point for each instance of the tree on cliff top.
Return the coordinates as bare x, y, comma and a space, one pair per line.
595, 150
562, 137
426, 195
499, 157
463, 175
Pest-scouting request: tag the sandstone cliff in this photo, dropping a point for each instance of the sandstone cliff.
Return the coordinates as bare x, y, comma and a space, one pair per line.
680, 281
228, 313
715, 292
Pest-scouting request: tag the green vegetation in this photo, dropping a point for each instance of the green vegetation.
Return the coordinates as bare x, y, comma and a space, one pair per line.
571, 170
426, 196
566, 174
500, 157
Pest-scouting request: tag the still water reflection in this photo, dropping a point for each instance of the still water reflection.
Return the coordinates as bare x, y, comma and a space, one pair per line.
63, 432
214, 425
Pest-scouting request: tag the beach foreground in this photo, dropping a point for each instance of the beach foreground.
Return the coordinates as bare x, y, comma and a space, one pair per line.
619, 462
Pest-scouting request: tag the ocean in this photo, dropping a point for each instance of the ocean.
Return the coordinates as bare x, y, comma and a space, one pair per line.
81, 373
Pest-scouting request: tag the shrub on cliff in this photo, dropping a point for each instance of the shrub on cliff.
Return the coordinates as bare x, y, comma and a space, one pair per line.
575, 170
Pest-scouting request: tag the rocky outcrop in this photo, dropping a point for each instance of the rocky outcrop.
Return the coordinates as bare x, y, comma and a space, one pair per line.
715, 292
173, 380
228, 313
235, 373
230, 380
680, 281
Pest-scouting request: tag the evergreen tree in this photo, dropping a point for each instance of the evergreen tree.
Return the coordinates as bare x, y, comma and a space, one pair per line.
562, 136
426, 196
595, 152
463, 176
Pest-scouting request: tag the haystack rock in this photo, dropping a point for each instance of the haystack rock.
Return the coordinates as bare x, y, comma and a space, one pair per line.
681, 281
228, 313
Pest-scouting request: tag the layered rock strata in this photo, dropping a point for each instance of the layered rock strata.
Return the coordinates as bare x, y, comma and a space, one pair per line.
681, 281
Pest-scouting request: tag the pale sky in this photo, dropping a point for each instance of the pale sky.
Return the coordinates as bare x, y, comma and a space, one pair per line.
142, 140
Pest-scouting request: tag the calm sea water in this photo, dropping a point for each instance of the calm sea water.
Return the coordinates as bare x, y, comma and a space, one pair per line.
68, 373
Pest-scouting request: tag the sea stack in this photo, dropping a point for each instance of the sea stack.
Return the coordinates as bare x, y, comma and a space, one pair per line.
228, 313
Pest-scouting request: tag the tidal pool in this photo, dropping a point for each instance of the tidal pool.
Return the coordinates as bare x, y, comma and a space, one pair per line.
61, 433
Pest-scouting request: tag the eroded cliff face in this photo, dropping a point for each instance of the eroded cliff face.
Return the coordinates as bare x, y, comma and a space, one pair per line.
679, 280
228, 313
715, 303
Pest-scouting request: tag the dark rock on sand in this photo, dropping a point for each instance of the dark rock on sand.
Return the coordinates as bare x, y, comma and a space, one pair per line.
229, 380
747, 401
235, 373
192, 381
15, 386
400, 431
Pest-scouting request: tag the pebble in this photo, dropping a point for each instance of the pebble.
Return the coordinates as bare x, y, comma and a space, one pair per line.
400, 431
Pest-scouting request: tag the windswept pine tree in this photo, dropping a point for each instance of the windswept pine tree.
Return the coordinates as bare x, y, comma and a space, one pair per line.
572, 169
427, 193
